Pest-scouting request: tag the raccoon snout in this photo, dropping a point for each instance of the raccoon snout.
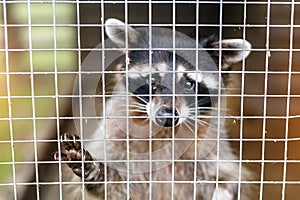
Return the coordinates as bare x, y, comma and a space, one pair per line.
166, 117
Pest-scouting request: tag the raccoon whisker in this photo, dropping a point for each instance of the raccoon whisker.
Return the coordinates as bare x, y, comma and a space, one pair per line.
199, 121
192, 113
201, 108
133, 105
204, 123
139, 104
190, 121
133, 110
137, 110
207, 108
137, 107
188, 126
121, 92
141, 99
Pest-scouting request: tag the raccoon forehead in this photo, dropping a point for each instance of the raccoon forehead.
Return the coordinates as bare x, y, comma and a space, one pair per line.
143, 70
182, 72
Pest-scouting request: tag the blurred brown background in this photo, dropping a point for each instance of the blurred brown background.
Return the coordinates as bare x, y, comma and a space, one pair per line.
46, 38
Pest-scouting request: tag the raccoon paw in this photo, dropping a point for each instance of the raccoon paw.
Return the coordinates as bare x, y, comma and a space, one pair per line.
74, 152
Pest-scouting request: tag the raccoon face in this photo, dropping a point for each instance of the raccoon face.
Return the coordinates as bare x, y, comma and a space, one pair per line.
169, 88
170, 104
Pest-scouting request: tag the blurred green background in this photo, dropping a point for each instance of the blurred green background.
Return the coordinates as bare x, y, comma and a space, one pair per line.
42, 40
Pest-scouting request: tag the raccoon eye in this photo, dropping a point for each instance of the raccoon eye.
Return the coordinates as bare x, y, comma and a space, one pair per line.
189, 86
152, 84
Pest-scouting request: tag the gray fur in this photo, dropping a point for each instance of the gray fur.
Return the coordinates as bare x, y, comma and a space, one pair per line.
181, 159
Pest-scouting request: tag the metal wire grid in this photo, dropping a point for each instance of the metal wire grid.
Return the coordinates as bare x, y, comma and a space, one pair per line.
11, 119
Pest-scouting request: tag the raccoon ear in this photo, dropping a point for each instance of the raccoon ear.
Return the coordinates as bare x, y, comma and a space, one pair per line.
116, 31
240, 50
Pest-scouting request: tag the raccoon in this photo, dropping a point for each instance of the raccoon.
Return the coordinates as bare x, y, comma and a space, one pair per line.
161, 135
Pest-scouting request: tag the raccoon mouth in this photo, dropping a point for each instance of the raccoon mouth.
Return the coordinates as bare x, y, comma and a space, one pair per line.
167, 117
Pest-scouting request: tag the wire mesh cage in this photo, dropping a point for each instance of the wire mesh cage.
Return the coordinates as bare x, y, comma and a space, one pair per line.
149, 99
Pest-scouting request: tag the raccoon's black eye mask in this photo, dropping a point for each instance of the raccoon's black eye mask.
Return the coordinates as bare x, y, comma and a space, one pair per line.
202, 99
143, 87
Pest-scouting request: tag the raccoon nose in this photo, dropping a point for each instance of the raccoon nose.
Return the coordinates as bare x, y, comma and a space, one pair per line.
164, 117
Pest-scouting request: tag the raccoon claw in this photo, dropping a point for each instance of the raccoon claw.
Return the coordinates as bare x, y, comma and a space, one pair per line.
71, 141
72, 146
73, 152
62, 156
